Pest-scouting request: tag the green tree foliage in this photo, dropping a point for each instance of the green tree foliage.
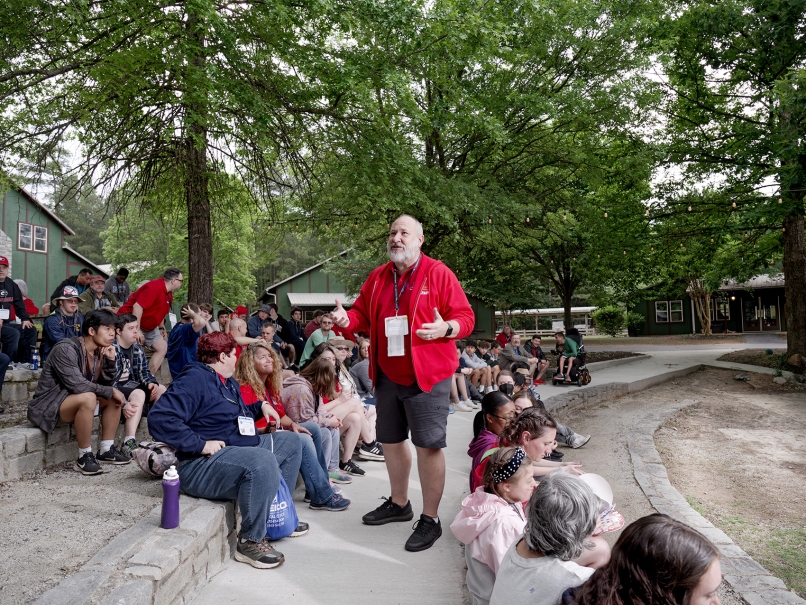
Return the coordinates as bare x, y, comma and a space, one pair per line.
83, 210
736, 76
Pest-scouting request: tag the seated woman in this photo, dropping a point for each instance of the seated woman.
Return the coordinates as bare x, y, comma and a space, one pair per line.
492, 518
360, 373
656, 560
258, 372
557, 551
496, 410
522, 401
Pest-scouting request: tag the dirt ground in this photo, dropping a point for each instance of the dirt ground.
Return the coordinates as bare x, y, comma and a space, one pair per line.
739, 458
56, 520
759, 357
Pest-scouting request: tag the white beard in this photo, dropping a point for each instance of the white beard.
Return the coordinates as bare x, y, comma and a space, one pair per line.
400, 256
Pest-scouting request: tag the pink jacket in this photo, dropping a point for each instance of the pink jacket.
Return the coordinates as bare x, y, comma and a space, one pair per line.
488, 525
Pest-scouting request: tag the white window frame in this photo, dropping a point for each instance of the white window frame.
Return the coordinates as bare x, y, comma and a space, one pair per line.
43, 239
672, 312
665, 310
30, 236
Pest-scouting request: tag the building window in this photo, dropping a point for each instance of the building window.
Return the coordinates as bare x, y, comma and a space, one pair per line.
720, 309
661, 312
676, 311
32, 237
668, 311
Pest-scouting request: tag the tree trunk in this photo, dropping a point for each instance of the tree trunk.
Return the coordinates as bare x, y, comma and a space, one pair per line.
702, 303
197, 195
794, 265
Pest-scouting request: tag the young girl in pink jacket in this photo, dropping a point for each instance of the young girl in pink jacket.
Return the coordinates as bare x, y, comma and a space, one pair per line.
493, 518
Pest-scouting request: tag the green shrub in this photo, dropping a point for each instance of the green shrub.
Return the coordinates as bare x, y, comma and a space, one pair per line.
635, 323
609, 320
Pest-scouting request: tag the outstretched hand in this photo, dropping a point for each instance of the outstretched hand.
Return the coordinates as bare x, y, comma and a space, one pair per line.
433, 330
339, 316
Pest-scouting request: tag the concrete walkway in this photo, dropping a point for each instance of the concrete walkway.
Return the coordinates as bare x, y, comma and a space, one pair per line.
343, 561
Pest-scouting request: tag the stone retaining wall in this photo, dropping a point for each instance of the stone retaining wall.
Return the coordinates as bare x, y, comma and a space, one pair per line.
148, 565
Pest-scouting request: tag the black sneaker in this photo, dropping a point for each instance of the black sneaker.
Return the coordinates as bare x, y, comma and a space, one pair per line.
113, 456
258, 554
351, 468
301, 530
554, 456
307, 497
388, 512
426, 532
88, 465
2, 409
371, 451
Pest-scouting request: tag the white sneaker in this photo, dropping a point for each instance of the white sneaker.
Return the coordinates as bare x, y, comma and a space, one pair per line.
463, 407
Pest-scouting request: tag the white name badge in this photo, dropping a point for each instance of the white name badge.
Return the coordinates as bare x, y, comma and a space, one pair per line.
5, 314
172, 319
246, 425
396, 329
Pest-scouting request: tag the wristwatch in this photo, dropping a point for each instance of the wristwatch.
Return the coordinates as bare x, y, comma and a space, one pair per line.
450, 329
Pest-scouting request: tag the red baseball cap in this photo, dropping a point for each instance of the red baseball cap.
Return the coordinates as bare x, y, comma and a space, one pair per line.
4, 261
241, 310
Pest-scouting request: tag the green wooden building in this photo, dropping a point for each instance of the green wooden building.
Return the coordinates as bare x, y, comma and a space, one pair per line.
33, 239
757, 305
314, 289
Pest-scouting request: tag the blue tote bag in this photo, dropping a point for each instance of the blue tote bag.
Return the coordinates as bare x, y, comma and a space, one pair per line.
283, 518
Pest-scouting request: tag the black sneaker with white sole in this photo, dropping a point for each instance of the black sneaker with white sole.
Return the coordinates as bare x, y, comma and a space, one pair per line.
88, 465
351, 468
426, 532
388, 512
301, 529
113, 456
261, 555
371, 451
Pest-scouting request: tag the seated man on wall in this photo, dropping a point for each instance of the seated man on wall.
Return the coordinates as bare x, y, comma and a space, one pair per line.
28, 335
64, 323
515, 352
96, 298
78, 374
256, 322
221, 456
11, 298
133, 378
533, 348
118, 286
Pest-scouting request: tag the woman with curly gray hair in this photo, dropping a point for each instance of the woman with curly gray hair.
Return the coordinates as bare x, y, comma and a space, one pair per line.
556, 552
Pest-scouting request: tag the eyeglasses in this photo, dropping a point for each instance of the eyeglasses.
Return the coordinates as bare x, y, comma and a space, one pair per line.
179, 280
342, 349
504, 418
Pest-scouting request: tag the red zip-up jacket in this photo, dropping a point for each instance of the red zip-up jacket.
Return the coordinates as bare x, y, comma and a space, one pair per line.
436, 287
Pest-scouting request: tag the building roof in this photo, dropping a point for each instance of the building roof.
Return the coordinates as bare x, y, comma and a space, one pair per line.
758, 282
304, 271
44, 209
319, 299
87, 261
550, 311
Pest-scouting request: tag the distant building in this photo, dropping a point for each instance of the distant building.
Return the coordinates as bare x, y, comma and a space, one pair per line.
313, 289
33, 239
757, 305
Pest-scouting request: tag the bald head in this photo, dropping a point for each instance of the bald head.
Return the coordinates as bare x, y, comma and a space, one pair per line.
237, 326
405, 239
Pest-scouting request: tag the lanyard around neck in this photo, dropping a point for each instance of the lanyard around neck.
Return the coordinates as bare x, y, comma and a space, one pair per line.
405, 284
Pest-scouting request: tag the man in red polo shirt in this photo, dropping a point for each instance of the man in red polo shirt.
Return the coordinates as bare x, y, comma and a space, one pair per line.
150, 303
412, 307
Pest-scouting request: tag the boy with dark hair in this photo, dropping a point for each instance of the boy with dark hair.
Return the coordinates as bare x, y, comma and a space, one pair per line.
313, 325
481, 374
222, 321
183, 339
80, 282
78, 373
206, 311
117, 285
490, 359
533, 347
133, 378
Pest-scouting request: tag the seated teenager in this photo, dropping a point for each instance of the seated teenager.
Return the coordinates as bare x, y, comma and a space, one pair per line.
557, 550
222, 321
490, 357
322, 334
206, 311
481, 376
183, 339
302, 398
77, 375
533, 348
259, 374
492, 518
570, 350
656, 560
221, 456
269, 335
460, 384
370, 448
496, 410
133, 378
65, 322
360, 373
296, 331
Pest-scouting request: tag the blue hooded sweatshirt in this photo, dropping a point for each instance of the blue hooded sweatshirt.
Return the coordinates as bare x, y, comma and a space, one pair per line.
198, 407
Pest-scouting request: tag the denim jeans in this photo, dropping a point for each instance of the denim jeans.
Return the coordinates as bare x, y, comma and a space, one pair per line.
10, 338
312, 467
564, 433
249, 474
4, 363
330, 447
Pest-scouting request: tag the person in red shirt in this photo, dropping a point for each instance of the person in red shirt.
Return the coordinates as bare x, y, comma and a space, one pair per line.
150, 303
313, 325
505, 336
412, 308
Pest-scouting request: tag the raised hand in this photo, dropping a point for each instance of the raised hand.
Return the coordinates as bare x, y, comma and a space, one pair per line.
340, 317
433, 330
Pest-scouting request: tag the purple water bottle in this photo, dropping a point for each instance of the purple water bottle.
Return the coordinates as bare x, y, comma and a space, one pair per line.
170, 499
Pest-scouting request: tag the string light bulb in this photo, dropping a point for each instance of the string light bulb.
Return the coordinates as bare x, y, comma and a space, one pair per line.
296, 226
489, 220
605, 213
681, 244
598, 256
780, 200
733, 205
747, 235
327, 226
527, 219
783, 229
689, 207
712, 240
625, 253
652, 248
647, 212
565, 217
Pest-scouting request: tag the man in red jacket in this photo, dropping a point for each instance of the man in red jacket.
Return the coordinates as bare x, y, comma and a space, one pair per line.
412, 308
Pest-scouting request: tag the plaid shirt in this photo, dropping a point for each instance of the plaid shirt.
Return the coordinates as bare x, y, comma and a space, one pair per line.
138, 370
